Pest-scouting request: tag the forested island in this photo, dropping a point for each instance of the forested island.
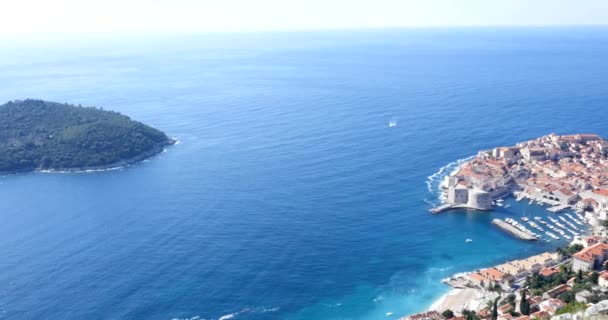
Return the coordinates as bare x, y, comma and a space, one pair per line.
42, 135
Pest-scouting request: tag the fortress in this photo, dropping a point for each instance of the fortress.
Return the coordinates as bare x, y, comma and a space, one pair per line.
472, 198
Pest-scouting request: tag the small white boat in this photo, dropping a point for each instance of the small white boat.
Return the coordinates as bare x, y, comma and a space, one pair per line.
468, 240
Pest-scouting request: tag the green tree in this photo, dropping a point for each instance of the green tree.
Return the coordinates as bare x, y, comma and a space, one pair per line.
567, 296
511, 299
495, 310
572, 307
524, 304
568, 252
448, 314
514, 313
594, 277
469, 315
497, 288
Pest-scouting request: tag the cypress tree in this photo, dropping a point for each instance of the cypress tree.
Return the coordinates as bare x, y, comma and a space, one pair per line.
495, 310
524, 304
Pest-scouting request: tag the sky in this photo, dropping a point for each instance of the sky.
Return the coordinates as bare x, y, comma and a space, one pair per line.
180, 16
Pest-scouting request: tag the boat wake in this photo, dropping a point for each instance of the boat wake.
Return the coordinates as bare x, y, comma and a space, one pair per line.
392, 122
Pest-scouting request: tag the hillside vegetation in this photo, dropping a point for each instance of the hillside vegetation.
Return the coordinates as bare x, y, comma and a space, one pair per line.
39, 135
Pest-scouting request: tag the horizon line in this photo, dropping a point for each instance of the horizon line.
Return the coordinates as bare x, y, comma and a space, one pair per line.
301, 30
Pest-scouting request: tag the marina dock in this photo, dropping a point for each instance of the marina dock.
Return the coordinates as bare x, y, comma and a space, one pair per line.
559, 208
512, 230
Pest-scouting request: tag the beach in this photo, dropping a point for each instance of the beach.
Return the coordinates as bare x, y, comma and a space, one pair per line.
460, 299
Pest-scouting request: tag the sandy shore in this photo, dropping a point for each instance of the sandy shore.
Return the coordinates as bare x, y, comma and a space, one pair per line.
458, 299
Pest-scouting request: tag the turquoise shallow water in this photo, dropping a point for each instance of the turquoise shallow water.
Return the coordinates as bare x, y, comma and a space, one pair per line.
288, 196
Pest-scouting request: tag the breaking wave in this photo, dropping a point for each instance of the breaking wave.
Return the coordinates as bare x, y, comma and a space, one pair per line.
433, 182
234, 315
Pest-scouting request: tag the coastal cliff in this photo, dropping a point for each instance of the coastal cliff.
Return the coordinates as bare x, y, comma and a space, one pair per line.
37, 135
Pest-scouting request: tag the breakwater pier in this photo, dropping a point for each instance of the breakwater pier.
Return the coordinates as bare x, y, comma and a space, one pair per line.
441, 208
512, 230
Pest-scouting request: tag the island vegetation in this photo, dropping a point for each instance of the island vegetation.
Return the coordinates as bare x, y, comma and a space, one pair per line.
42, 135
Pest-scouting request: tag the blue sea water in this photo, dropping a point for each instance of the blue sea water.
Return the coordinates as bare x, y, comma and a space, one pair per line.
288, 196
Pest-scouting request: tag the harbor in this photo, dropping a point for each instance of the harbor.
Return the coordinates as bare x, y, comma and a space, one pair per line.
539, 222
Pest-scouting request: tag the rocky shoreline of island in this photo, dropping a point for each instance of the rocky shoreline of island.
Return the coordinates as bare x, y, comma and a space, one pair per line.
157, 149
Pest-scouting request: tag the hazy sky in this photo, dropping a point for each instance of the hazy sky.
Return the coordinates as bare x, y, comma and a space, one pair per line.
35, 16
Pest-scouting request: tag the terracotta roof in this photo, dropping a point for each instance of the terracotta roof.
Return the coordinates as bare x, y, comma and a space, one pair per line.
603, 192
540, 315
547, 272
476, 276
493, 274
588, 254
505, 308
559, 289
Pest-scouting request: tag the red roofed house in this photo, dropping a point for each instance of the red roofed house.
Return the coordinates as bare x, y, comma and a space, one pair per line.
484, 313
556, 291
488, 277
548, 273
591, 240
540, 315
602, 281
601, 192
590, 257
504, 309
506, 316
551, 306
571, 282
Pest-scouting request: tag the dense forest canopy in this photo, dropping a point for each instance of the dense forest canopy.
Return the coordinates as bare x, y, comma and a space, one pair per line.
36, 134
